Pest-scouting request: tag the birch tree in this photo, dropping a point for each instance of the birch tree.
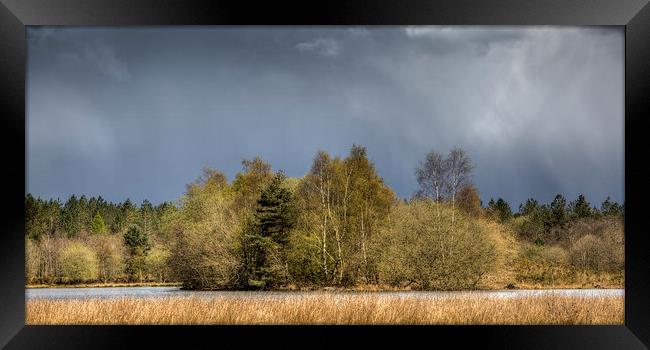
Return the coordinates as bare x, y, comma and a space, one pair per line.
431, 175
459, 167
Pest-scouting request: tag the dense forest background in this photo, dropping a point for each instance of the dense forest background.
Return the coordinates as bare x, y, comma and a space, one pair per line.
339, 225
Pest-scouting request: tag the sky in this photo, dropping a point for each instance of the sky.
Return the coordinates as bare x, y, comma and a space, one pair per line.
138, 112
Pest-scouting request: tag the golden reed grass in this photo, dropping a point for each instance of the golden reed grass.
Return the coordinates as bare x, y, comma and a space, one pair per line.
329, 309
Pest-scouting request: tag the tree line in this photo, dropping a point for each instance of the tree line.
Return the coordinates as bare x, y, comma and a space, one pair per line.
339, 225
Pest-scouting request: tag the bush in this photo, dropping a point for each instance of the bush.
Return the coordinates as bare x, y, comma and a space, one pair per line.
304, 258
156, 265
32, 261
530, 227
596, 253
434, 253
78, 263
205, 259
205, 254
551, 255
110, 256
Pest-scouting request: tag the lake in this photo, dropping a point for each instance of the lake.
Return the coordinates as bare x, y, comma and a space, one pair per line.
157, 292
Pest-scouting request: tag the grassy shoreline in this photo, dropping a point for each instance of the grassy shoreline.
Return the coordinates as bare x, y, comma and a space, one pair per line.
328, 309
104, 285
359, 288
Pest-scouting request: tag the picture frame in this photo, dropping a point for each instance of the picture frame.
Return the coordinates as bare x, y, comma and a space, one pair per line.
15, 15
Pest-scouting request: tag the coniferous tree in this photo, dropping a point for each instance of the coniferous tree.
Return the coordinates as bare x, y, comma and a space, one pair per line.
138, 245
529, 207
70, 216
267, 236
98, 225
611, 208
581, 208
504, 213
275, 211
147, 217
558, 210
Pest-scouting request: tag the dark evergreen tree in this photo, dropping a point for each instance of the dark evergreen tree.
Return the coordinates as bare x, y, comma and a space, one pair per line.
504, 213
499, 210
138, 245
581, 208
136, 241
275, 211
558, 211
70, 216
147, 217
529, 207
268, 233
611, 208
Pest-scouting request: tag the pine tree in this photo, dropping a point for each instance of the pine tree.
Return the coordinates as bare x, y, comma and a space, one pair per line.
581, 208
137, 242
71, 214
275, 212
529, 207
268, 233
504, 213
98, 225
611, 208
558, 210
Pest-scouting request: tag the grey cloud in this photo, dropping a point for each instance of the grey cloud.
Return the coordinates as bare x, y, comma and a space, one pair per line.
94, 54
539, 109
323, 46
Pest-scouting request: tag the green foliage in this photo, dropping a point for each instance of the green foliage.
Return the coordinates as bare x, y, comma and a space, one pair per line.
98, 225
157, 263
499, 210
342, 203
275, 212
580, 208
304, 258
32, 261
204, 254
265, 238
248, 184
136, 241
71, 217
611, 209
432, 253
339, 225
78, 263
138, 245
528, 208
558, 211
110, 256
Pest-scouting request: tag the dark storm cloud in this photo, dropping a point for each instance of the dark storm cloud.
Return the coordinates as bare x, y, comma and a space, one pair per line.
137, 112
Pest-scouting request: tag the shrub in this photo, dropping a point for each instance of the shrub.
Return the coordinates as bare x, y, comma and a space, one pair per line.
78, 263
205, 253
599, 253
32, 261
156, 264
434, 253
551, 254
110, 256
304, 258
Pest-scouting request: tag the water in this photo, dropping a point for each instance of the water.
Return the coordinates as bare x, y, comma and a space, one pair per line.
157, 292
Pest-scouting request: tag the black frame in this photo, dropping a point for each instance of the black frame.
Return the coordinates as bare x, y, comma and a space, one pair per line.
16, 14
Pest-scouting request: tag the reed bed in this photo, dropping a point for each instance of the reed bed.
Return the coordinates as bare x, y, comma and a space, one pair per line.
328, 309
